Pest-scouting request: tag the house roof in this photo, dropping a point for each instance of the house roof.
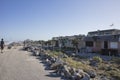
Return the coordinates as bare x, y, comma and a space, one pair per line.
109, 30
103, 38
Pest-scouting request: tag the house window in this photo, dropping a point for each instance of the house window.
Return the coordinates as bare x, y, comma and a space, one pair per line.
113, 45
89, 43
116, 36
119, 39
107, 33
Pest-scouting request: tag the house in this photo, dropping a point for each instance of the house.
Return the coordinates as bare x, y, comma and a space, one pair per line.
105, 41
66, 41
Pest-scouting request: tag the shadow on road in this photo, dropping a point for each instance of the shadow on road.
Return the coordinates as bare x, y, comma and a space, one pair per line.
53, 74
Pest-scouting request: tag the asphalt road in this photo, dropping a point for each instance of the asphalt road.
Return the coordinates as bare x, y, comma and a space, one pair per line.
16, 64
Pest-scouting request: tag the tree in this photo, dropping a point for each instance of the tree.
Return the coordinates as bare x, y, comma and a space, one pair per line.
75, 43
53, 42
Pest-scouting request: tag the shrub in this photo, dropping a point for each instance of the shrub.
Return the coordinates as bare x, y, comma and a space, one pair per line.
98, 59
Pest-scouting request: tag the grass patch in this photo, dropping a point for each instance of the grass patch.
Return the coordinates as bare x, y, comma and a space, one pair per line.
76, 64
116, 60
70, 60
113, 73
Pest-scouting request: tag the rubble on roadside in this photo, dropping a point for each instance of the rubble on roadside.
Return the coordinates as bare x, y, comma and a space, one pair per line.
63, 69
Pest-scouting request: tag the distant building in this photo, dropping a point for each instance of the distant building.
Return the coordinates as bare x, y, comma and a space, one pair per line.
105, 41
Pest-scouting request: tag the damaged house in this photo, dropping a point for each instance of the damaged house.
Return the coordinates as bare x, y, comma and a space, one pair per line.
103, 41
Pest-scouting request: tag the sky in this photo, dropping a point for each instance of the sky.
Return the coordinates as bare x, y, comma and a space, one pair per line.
44, 19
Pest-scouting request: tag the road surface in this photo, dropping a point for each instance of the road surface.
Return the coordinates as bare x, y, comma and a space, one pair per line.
16, 64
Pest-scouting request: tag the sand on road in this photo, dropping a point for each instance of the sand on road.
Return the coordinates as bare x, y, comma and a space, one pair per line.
16, 64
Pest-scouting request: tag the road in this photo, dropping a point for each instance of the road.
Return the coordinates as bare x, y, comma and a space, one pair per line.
16, 64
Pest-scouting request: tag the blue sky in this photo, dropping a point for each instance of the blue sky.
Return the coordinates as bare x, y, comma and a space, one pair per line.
44, 19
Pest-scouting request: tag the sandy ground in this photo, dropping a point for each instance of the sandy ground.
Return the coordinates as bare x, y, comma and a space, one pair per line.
16, 64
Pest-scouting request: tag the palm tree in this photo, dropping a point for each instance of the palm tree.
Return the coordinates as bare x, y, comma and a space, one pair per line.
53, 42
75, 43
